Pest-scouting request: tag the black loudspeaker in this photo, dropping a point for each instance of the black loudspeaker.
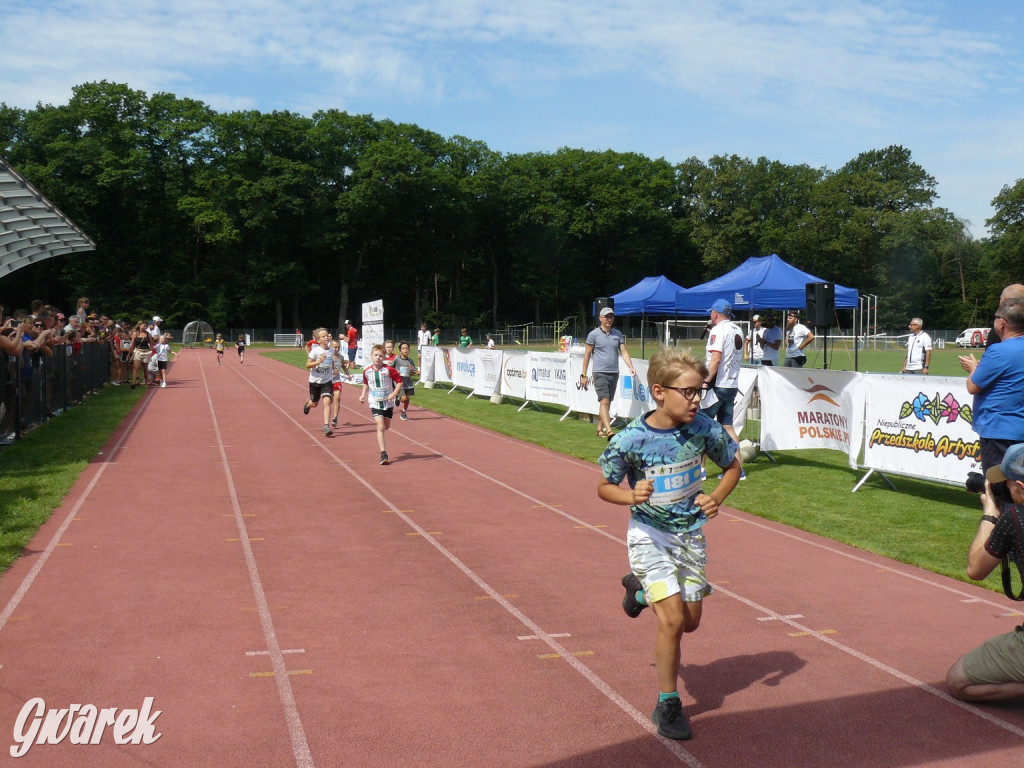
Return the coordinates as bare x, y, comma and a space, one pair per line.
821, 304
600, 303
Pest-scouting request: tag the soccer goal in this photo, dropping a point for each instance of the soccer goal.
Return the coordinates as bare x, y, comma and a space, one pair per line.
198, 333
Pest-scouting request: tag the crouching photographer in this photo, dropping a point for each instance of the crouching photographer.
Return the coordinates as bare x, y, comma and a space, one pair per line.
995, 670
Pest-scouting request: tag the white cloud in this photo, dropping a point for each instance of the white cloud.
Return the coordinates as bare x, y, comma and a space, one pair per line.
795, 80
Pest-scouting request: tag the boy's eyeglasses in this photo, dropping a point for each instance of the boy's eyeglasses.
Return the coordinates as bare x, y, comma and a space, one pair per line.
690, 393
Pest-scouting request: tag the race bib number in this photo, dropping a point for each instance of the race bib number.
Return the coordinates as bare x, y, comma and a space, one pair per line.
674, 482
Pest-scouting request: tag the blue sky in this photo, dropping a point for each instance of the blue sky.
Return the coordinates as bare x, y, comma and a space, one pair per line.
792, 80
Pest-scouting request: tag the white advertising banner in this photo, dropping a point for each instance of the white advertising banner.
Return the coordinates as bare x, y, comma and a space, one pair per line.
921, 426
488, 369
443, 365
373, 311
547, 378
580, 400
748, 379
463, 362
812, 409
373, 326
428, 355
632, 397
515, 372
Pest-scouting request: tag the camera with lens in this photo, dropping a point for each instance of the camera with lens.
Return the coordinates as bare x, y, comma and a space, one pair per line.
975, 482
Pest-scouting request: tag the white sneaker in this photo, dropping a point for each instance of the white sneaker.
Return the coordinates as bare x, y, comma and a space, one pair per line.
163, 385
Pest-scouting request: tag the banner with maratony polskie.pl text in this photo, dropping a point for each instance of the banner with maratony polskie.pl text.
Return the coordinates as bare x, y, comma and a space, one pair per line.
807, 408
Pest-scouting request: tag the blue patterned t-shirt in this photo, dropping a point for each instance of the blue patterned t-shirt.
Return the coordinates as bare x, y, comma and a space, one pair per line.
671, 457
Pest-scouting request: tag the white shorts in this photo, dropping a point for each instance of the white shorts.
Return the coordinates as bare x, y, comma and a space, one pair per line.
668, 563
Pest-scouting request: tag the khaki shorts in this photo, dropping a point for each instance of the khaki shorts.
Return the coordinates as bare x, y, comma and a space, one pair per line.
999, 659
668, 563
142, 355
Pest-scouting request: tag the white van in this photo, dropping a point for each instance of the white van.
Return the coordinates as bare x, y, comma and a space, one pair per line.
972, 337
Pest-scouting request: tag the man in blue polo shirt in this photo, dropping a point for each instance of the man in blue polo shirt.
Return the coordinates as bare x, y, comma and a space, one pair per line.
997, 383
605, 344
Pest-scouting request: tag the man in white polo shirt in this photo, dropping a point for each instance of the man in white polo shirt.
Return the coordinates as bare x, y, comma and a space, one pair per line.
919, 350
724, 358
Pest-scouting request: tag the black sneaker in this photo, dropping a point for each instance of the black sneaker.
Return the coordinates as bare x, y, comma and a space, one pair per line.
305, 407
334, 421
630, 604
671, 722
384, 457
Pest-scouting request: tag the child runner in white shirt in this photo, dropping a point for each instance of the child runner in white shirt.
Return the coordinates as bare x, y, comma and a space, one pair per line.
382, 383
320, 364
161, 350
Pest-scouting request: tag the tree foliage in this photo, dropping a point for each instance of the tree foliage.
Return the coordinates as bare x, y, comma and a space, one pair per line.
254, 219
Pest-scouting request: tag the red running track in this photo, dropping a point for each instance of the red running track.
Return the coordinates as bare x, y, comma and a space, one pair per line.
286, 601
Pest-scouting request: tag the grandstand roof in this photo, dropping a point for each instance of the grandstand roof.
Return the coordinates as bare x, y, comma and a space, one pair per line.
31, 227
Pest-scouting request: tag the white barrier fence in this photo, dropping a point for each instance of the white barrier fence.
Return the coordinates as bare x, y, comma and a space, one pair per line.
919, 426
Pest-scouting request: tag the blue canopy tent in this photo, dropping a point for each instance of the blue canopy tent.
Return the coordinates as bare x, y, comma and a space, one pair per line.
651, 296
761, 282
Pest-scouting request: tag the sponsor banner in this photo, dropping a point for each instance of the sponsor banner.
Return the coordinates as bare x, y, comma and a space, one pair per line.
546, 382
428, 355
747, 382
580, 400
515, 371
373, 333
632, 397
921, 426
464, 365
812, 409
443, 365
373, 312
488, 369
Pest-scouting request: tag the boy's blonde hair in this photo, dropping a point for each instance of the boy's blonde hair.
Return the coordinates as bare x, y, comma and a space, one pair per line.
318, 331
669, 363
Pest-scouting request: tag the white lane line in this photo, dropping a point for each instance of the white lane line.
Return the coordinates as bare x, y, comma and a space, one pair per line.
632, 712
30, 578
866, 561
764, 611
300, 745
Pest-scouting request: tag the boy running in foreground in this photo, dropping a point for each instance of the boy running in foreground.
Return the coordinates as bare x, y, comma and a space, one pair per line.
660, 454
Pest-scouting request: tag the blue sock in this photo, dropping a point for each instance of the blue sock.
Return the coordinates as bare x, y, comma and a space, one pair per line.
640, 597
665, 696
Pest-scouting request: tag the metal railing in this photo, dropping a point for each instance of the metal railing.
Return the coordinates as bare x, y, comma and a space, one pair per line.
37, 387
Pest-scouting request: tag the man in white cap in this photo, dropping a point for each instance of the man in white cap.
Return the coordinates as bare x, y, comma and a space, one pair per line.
724, 357
753, 349
605, 343
994, 671
154, 326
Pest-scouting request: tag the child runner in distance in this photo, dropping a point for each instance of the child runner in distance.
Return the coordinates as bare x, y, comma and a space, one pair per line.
389, 353
240, 346
406, 368
659, 454
219, 344
320, 365
340, 366
160, 351
382, 383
